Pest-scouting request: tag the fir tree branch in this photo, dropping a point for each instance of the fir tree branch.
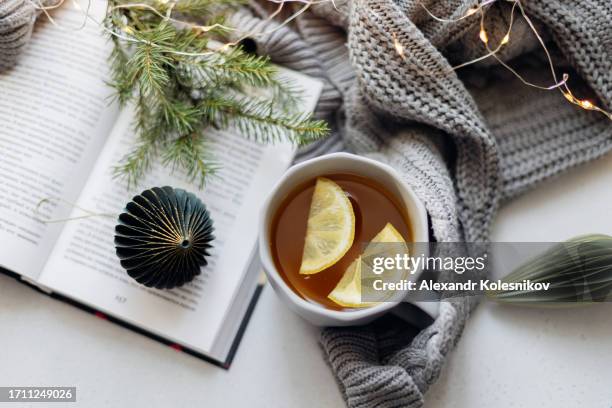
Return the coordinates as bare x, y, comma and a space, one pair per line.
181, 88
259, 120
234, 66
188, 153
134, 165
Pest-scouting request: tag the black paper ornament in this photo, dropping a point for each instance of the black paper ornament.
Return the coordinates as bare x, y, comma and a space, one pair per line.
163, 237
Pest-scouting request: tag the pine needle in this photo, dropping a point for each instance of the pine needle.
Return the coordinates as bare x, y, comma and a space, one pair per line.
181, 88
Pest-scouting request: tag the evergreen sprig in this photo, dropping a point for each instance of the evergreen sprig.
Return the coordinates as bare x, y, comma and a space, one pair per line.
181, 86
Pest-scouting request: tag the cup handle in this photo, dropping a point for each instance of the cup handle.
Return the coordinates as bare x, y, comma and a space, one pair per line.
419, 314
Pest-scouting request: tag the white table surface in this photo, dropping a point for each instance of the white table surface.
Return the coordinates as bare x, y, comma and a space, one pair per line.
508, 357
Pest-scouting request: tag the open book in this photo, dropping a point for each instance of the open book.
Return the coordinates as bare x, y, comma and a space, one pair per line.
60, 138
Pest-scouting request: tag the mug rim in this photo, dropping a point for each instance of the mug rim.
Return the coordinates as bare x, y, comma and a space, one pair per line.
265, 251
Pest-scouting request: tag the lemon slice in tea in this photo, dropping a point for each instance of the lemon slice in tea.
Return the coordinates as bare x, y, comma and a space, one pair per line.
348, 291
331, 227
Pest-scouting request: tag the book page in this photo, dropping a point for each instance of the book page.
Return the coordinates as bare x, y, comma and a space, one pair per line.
84, 264
54, 120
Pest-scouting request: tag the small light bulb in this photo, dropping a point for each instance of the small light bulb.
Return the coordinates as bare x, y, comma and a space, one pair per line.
398, 46
506, 39
471, 11
483, 36
586, 104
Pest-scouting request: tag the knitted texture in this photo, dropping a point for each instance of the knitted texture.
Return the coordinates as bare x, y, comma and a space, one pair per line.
464, 143
17, 19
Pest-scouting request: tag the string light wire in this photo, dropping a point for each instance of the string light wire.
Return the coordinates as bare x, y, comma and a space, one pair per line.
561, 85
88, 214
306, 4
471, 11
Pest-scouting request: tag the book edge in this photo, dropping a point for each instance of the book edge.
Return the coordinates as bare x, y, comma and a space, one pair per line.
160, 339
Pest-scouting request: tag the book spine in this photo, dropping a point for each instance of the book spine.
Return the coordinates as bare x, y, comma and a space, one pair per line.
36, 284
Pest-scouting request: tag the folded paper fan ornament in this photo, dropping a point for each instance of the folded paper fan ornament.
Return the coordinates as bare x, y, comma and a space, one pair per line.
163, 237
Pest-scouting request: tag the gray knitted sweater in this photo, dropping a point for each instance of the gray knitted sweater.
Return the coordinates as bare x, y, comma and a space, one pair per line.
466, 142
16, 23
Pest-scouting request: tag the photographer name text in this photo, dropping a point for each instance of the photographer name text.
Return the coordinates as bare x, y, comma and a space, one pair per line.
469, 285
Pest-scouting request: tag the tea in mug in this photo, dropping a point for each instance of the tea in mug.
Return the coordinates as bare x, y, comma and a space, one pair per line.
319, 231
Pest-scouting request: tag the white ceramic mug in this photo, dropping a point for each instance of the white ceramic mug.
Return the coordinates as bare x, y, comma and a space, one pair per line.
330, 164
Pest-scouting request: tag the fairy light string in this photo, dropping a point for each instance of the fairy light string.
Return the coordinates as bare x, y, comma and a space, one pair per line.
127, 32
561, 85
484, 37
480, 7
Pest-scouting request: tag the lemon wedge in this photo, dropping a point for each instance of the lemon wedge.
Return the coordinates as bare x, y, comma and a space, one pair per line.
331, 227
347, 292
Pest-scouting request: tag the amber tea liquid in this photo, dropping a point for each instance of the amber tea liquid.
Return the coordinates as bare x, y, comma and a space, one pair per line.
373, 206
